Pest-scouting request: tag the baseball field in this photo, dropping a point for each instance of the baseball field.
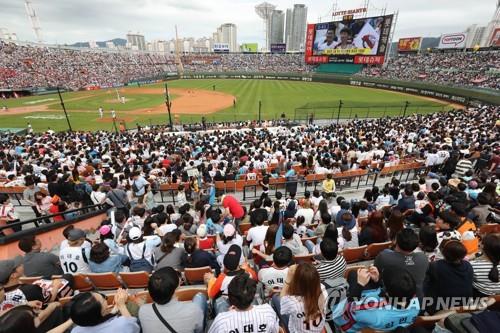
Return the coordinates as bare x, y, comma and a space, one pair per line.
217, 100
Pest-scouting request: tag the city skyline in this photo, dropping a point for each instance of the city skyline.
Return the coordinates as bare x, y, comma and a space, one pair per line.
69, 21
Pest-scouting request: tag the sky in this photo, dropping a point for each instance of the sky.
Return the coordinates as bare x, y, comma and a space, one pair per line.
69, 21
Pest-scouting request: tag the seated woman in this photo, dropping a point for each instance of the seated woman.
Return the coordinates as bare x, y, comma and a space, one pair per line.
101, 261
168, 255
348, 231
302, 303
198, 257
449, 277
90, 312
485, 280
428, 242
266, 249
374, 230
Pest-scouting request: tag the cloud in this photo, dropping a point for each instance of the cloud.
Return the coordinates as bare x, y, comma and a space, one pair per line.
68, 21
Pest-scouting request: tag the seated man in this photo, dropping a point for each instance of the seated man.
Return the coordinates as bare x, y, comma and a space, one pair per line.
243, 316
273, 277
218, 287
38, 263
166, 312
257, 233
333, 266
365, 308
404, 257
293, 241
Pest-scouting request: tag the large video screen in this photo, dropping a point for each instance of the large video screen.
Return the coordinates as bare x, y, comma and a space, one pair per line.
362, 40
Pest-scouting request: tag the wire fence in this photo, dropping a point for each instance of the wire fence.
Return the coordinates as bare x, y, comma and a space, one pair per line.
341, 110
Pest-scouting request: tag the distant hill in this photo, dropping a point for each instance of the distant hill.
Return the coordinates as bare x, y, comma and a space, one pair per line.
116, 41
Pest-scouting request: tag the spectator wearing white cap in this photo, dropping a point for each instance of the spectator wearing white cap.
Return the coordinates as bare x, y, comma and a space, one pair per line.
229, 237
140, 250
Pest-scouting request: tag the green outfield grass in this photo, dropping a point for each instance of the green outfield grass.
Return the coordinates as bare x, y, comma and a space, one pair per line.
295, 99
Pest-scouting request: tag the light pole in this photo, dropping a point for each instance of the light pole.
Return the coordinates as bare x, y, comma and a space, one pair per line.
340, 108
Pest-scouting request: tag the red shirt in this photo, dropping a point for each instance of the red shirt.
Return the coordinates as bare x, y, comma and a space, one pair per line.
54, 209
205, 244
234, 206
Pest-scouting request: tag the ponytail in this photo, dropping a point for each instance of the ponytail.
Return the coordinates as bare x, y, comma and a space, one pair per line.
493, 274
346, 234
491, 248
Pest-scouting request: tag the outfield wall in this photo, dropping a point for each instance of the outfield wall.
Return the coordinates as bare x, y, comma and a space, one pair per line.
451, 94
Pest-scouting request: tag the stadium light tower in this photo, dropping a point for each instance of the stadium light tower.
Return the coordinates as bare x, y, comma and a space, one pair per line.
35, 24
264, 10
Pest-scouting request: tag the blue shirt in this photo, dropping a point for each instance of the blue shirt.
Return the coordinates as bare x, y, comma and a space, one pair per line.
372, 311
140, 182
112, 264
113, 325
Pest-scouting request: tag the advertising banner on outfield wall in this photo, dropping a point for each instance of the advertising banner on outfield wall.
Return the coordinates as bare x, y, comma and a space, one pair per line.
453, 41
410, 90
411, 44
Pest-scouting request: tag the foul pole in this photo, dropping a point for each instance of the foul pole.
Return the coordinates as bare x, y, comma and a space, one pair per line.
168, 103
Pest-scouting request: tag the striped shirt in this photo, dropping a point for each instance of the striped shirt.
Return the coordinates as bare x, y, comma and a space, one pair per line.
480, 280
259, 319
294, 307
462, 167
331, 269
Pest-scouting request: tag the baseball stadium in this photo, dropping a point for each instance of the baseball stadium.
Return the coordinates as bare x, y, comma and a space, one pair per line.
342, 174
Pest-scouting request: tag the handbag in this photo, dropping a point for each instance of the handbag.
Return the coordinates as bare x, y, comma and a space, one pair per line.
167, 325
127, 205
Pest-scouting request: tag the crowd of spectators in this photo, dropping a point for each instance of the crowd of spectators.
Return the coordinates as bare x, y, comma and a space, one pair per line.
36, 66
266, 63
436, 252
478, 69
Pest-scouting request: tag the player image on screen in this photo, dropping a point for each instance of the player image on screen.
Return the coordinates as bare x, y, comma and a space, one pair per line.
330, 41
346, 41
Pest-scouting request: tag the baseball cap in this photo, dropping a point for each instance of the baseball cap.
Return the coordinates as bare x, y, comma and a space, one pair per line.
232, 257
202, 231
134, 233
454, 182
8, 266
229, 230
76, 234
104, 230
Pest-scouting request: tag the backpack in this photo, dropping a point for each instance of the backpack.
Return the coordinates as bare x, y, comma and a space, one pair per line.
337, 293
139, 265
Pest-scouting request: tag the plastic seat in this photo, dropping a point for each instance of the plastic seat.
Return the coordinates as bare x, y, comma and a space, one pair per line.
28, 279
142, 294
135, 279
374, 249
6, 231
354, 254
308, 258
489, 228
244, 227
187, 293
196, 275
430, 321
352, 269
82, 283
104, 281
